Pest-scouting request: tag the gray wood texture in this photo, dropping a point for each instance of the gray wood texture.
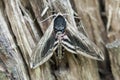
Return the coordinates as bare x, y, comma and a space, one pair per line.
23, 22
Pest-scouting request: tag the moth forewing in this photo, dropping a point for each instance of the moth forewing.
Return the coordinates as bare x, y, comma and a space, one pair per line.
68, 44
44, 59
69, 47
81, 28
37, 57
84, 45
40, 62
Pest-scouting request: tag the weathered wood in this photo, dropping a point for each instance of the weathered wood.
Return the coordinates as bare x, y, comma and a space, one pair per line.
11, 62
113, 15
113, 33
23, 22
114, 53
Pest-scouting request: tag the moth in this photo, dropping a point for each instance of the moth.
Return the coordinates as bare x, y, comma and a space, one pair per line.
61, 34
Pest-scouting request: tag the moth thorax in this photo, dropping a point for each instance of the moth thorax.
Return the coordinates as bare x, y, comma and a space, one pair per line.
59, 35
59, 24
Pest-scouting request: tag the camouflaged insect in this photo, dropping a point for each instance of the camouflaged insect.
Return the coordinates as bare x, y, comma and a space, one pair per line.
60, 34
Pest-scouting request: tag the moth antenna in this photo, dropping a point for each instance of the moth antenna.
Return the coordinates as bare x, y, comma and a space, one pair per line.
52, 16
71, 15
47, 18
56, 15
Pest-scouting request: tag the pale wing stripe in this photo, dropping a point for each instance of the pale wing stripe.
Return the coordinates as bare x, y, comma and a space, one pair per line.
36, 55
86, 42
68, 47
85, 54
47, 57
42, 61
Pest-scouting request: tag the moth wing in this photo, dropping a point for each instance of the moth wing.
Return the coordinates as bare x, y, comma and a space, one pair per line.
44, 49
81, 28
68, 44
83, 45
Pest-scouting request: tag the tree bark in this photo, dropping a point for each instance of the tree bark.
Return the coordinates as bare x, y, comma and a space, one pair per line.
113, 33
23, 22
